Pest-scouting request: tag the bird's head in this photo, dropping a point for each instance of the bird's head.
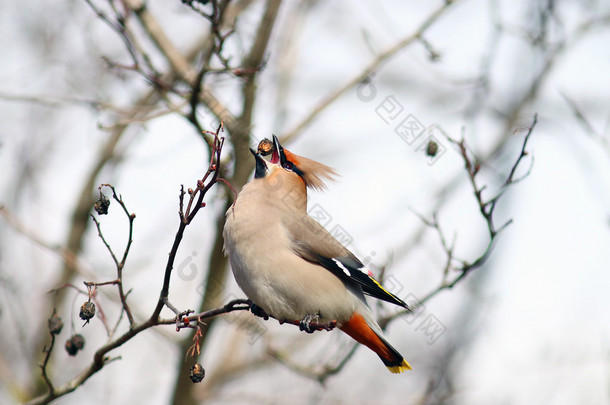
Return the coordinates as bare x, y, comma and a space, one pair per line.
274, 163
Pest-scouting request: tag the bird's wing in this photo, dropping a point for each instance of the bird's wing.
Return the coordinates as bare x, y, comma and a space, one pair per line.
312, 242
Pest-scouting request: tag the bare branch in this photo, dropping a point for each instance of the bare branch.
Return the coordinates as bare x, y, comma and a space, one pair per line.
119, 264
67, 255
43, 366
100, 359
211, 176
234, 305
179, 63
585, 124
486, 208
366, 72
101, 236
316, 374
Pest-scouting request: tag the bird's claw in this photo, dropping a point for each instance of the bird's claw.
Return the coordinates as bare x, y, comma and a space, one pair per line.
310, 324
258, 311
306, 323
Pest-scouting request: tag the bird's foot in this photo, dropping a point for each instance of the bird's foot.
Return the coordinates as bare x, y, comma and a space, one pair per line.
330, 325
258, 311
306, 323
309, 324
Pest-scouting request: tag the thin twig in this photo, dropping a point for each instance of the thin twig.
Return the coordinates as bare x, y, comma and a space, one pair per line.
211, 176
67, 255
45, 362
119, 264
234, 305
312, 373
486, 209
368, 70
108, 247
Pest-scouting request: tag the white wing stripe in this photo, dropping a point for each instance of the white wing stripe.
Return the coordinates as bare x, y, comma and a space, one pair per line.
342, 267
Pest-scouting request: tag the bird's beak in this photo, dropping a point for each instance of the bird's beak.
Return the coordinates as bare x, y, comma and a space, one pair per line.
261, 164
255, 154
278, 152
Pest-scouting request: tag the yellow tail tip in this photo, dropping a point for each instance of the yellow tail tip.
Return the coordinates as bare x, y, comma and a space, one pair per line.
404, 366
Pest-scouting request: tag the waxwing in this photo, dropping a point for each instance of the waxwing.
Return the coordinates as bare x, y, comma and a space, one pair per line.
289, 266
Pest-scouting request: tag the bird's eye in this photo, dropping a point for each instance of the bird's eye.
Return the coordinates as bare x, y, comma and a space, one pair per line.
288, 165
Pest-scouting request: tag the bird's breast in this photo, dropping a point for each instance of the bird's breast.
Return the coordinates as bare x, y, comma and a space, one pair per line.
272, 275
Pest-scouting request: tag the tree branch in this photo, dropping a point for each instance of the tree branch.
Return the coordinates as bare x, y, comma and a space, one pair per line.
370, 68
100, 359
187, 217
462, 267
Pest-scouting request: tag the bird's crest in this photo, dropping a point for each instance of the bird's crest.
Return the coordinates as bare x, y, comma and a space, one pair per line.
313, 173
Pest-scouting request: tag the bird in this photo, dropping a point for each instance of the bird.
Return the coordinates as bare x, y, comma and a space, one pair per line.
290, 267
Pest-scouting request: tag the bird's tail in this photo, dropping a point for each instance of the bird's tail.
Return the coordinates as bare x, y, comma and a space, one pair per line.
358, 328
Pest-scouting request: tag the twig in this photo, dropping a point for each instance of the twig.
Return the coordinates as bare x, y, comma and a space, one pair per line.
119, 319
58, 101
108, 247
215, 48
45, 362
234, 305
100, 359
434, 224
67, 255
317, 375
179, 63
366, 72
118, 26
487, 210
314, 326
472, 168
119, 264
588, 128
211, 176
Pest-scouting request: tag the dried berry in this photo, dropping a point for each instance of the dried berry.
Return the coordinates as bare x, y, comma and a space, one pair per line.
265, 147
432, 148
87, 311
79, 341
101, 205
55, 324
74, 344
197, 373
